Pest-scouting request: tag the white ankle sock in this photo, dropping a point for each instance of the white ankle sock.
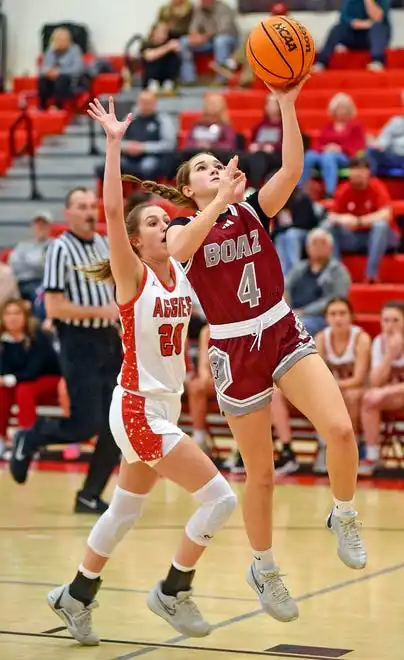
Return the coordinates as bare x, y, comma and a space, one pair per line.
372, 452
343, 507
183, 569
88, 574
264, 560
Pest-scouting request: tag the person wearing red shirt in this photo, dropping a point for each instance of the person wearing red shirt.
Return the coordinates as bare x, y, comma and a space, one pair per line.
338, 141
361, 216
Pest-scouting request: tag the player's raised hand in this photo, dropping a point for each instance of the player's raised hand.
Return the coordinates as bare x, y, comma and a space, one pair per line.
289, 93
230, 179
113, 128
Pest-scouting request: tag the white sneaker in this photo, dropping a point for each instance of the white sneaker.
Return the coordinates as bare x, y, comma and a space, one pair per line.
179, 611
273, 594
351, 549
375, 66
74, 614
320, 465
168, 87
318, 66
153, 86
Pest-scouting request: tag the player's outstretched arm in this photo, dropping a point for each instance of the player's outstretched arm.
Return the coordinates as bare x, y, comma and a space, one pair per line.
275, 193
127, 269
184, 241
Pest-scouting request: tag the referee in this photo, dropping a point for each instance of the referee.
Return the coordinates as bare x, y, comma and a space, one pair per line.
85, 316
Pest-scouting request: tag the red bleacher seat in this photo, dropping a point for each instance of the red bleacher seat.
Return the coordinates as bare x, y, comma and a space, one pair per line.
370, 299
4, 163
106, 83
317, 99
369, 322
391, 270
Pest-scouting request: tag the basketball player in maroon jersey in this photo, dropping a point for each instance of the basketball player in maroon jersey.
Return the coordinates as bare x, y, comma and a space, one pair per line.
256, 340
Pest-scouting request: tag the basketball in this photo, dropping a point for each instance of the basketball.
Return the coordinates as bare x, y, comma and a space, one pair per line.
280, 51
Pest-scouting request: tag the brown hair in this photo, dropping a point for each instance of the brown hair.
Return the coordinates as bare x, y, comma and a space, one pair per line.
31, 323
101, 271
173, 194
344, 301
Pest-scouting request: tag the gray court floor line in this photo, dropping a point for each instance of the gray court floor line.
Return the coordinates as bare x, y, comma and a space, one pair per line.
33, 583
248, 615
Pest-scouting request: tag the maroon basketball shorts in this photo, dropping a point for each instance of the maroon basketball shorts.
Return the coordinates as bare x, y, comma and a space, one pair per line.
245, 367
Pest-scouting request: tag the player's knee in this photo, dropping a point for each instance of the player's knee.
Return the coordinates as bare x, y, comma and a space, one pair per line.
340, 430
125, 509
217, 502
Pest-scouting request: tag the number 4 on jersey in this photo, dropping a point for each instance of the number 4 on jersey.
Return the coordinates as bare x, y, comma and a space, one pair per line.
248, 291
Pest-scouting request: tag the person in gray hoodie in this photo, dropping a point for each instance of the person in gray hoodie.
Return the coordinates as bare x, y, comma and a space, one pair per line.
313, 282
27, 260
60, 71
387, 151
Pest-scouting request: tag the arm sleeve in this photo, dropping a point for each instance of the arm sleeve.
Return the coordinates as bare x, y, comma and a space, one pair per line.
48, 62
383, 197
253, 202
55, 268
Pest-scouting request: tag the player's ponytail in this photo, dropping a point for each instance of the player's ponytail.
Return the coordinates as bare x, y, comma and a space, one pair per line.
99, 272
166, 192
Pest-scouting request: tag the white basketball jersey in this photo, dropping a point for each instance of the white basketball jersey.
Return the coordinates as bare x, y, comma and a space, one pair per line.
397, 366
343, 365
154, 332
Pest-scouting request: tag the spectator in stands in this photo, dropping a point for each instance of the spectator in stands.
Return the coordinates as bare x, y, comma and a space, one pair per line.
361, 216
386, 393
345, 348
238, 62
160, 60
211, 132
363, 25
339, 140
178, 15
29, 366
60, 71
386, 152
213, 29
8, 284
149, 140
85, 315
291, 226
27, 260
312, 283
265, 150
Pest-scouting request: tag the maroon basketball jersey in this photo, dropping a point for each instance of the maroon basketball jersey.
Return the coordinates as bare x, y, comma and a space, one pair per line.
236, 272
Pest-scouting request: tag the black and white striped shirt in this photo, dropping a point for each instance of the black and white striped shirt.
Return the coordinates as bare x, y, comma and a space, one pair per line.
67, 252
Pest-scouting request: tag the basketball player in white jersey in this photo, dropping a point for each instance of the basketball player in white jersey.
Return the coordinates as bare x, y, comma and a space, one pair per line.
154, 299
386, 391
345, 348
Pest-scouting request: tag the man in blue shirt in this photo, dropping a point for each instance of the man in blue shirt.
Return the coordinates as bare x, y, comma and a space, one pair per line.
364, 25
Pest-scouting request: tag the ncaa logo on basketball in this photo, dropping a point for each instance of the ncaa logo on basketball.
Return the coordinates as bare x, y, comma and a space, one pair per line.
286, 36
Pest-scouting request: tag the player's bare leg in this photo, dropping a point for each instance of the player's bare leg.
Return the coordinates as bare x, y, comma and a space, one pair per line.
311, 388
252, 433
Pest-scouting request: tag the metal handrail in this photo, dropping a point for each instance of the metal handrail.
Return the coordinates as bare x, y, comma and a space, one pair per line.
24, 119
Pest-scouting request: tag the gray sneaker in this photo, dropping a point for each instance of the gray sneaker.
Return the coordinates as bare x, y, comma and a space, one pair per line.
179, 611
273, 594
74, 614
351, 549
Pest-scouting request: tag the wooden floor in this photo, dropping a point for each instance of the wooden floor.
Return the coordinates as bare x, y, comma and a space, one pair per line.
359, 613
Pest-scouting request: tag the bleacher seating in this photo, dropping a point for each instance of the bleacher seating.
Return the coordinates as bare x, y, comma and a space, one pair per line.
378, 96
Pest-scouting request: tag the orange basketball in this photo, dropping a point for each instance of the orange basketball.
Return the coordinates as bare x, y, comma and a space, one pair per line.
280, 51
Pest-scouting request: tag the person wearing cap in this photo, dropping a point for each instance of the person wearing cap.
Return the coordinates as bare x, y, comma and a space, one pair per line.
27, 260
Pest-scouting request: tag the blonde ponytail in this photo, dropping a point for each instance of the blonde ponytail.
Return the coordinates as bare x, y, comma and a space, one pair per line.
99, 272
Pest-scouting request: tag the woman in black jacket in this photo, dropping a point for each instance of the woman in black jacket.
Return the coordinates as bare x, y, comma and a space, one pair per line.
29, 366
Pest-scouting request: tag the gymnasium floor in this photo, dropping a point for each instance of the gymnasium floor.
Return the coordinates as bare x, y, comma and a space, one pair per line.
343, 613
